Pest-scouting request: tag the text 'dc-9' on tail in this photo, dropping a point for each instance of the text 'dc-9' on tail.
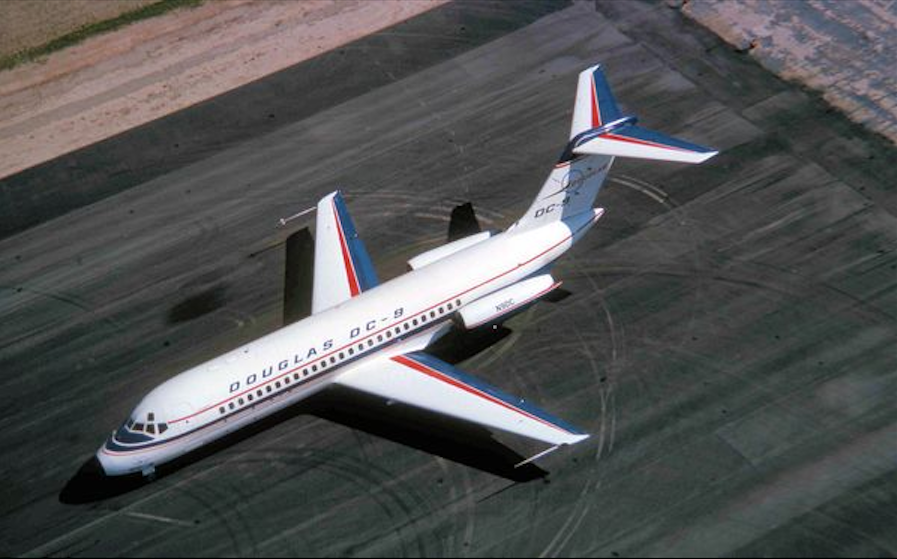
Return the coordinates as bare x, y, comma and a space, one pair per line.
599, 133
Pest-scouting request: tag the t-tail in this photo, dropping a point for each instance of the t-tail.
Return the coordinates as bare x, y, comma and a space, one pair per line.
600, 132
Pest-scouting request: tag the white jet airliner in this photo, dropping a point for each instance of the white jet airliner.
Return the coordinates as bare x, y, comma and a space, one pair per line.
373, 337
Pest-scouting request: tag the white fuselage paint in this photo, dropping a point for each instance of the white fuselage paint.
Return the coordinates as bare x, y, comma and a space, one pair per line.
190, 404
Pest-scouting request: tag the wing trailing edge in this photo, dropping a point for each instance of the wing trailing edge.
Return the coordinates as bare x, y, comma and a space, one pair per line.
423, 381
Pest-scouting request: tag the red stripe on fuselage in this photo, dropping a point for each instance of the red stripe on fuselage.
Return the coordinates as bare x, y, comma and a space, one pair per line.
380, 331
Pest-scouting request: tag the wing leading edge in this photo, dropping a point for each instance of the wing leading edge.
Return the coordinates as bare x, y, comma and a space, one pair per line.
343, 268
420, 380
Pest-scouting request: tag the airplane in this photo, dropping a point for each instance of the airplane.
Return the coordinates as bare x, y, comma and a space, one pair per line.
373, 337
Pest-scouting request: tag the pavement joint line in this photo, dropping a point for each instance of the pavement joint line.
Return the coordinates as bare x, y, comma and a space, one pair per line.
162, 519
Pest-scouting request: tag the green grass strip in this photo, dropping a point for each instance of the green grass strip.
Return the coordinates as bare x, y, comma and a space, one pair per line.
92, 29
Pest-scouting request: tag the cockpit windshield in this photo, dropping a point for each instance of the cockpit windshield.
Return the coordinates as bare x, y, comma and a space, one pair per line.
142, 427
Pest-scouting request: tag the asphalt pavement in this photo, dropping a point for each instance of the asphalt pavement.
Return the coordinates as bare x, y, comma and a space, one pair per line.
729, 339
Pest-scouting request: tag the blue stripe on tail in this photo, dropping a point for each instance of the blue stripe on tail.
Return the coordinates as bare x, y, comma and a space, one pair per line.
364, 267
607, 105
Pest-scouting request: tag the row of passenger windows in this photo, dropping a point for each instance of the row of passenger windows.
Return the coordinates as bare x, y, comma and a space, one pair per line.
259, 393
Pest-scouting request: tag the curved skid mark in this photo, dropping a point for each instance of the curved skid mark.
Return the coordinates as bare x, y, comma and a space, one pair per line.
231, 519
571, 524
368, 477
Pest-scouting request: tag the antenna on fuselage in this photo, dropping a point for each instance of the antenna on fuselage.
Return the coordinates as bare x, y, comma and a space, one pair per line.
285, 220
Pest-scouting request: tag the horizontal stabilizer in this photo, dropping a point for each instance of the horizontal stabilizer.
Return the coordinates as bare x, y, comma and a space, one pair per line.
635, 141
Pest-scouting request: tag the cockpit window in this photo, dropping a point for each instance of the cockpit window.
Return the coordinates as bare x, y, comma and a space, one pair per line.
162, 428
151, 429
137, 428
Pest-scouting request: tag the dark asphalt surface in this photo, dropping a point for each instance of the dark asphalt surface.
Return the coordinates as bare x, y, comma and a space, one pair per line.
730, 340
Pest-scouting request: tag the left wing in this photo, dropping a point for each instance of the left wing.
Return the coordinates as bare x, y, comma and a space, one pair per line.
422, 381
343, 268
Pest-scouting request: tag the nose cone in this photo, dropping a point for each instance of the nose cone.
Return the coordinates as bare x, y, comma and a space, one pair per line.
102, 462
115, 465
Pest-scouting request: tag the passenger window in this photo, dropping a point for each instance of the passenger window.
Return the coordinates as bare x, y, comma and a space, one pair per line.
296, 376
314, 368
342, 356
407, 326
286, 379
398, 330
370, 343
389, 333
231, 405
249, 397
221, 410
432, 314
360, 347
259, 393
379, 337
268, 389
277, 385
351, 351
241, 401
332, 360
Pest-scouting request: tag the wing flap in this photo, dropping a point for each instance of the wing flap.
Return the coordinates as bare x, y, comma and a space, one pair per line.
420, 380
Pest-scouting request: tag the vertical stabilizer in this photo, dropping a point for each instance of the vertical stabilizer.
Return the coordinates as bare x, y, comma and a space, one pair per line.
599, 133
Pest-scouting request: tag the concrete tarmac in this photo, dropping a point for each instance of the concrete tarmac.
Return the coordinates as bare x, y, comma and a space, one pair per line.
729, 341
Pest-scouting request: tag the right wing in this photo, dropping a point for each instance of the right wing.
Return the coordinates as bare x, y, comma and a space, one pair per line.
420, 380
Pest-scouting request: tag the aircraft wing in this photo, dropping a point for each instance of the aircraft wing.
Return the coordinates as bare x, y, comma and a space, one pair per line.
343, 268
420, 380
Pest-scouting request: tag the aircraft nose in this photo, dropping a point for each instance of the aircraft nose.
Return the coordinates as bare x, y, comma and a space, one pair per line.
107, 465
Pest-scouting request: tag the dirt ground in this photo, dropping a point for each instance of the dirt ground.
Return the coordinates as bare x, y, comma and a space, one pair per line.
116, 81
27, 24
845, 50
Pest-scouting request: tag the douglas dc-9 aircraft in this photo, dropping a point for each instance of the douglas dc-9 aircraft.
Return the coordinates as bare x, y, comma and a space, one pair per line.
373, 337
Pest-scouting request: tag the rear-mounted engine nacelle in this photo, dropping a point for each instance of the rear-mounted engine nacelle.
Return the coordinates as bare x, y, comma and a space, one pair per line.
500, 305
447, 250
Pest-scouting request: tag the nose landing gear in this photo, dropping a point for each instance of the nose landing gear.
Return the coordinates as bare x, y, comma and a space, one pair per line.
149, 472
